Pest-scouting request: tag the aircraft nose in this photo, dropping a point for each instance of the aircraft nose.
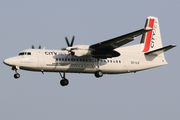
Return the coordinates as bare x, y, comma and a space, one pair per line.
9, 62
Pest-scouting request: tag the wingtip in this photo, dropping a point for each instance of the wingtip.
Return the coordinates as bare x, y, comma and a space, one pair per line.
174, 45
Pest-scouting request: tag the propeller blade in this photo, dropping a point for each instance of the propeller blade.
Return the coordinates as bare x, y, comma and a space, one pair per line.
72, 53
63, 48
72, 41
67, 42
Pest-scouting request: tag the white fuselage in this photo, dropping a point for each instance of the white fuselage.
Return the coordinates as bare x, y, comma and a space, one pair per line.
43, 60
86, 58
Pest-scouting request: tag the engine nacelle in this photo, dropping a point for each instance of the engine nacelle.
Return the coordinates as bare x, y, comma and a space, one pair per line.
79, 50
82, 52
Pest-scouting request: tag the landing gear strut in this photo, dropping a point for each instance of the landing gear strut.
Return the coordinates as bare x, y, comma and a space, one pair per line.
64, 81
98, 73
16, 75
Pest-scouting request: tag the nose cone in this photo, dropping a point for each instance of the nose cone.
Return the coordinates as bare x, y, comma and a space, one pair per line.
6, 61
10, 61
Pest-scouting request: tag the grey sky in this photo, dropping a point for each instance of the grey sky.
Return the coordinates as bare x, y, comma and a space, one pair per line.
146, 95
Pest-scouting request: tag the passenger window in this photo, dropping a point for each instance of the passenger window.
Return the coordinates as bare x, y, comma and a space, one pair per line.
59, 59
119, 61
111, 61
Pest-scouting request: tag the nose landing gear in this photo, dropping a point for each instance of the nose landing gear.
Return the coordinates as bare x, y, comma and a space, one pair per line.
16, 75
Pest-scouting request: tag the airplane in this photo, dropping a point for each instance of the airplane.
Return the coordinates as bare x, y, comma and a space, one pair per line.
107, 57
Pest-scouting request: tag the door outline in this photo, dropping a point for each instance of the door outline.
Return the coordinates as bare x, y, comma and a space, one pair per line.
125, 64
40, 59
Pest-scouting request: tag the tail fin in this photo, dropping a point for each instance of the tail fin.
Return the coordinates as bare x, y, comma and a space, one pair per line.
152, 39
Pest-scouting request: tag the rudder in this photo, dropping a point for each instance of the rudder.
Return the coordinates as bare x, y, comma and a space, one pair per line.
152, 39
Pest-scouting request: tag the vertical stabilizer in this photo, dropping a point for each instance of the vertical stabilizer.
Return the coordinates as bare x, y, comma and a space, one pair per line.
152, 39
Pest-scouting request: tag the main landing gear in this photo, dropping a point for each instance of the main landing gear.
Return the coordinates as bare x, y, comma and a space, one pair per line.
98, 73
16, 75
64, 81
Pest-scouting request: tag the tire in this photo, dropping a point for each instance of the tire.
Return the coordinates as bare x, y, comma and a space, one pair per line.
64, 82
98, 73
17, 75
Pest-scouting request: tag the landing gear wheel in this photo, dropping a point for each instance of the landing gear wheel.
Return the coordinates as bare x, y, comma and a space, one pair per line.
17, 75
64, 82
98, 73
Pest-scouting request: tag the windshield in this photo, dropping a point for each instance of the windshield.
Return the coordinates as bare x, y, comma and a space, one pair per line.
24, 53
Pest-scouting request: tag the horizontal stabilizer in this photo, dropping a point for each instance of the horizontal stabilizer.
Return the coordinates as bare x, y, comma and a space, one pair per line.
160, 50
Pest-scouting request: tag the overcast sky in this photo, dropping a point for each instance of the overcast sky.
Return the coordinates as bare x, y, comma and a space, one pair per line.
147, 95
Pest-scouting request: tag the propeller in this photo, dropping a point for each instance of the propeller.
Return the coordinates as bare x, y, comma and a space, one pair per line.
68, 44
69, 49
39, 46
72, 41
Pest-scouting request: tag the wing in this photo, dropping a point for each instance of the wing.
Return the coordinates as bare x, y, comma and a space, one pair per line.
114, 43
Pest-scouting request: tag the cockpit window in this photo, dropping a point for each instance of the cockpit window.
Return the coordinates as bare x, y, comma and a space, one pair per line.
21, 53
24, 53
